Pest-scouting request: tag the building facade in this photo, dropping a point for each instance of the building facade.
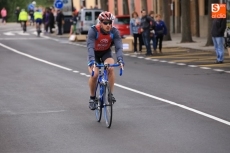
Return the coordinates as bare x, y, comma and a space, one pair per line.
124, 7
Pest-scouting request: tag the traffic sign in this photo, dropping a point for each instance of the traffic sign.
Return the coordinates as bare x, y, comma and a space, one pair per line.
30, 7
58, 4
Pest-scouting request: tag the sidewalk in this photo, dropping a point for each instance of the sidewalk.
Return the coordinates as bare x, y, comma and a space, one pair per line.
198, 44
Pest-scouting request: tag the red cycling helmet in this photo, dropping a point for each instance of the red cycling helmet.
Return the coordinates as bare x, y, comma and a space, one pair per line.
106, 16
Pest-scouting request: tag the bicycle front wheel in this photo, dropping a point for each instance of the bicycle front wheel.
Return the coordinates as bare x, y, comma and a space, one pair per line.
98, 110
108, 106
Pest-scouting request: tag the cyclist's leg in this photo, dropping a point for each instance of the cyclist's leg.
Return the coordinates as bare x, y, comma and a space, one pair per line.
93, 81
107, 58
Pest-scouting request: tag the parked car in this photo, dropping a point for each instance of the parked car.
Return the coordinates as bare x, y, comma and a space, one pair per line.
121, 22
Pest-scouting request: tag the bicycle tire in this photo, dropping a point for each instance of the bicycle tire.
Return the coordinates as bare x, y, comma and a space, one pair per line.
98, 110
108, 106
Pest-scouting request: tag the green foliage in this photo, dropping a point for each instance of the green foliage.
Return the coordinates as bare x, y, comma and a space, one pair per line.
11, 5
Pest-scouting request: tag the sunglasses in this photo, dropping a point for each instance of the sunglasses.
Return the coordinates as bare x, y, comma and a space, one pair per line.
106, 23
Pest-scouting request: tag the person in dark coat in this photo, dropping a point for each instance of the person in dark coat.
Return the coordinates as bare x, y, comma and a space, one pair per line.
218, 29
17, 12
46, 19
52, 21
60, 20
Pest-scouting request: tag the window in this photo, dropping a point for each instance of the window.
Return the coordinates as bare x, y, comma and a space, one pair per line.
122, 20
125, 7
96, 2
96, 15
88, 16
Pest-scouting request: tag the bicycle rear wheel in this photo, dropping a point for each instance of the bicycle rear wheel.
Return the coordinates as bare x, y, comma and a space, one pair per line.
108, 106
98, 110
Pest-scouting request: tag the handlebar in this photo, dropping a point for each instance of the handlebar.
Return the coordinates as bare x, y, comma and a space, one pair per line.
108, 65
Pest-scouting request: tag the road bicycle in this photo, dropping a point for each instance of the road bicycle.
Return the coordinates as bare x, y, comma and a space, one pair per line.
103, 95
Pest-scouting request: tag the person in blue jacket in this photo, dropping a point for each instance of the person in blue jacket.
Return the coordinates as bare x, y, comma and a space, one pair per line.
160, 31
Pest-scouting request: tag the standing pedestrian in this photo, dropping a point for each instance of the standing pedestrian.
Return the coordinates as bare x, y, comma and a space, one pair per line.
218, 29
160, 31
152, 31
17, 11
145, 29
135, 31
4, 15
46, 20
60, 20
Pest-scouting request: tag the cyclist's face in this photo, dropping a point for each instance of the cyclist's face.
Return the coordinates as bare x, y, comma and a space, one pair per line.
106, 25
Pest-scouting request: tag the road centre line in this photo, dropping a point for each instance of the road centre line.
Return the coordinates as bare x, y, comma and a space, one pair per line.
129, 89
35, 58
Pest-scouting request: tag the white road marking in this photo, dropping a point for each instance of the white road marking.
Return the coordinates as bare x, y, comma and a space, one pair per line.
192, 66
23, 34
218, 70
148, 58
76, 71
130, 89
172, 62
162, 61
35, 58
175, 104
181, 64
88, 76
22, 38
205, 68
155, 60
9, 33
133, 55
140, 57
227, 71
126, 54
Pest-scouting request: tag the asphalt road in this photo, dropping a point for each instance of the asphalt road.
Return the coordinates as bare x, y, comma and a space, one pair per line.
160, 108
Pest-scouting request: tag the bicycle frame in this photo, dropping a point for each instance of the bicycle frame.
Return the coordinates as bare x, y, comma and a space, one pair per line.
103, 78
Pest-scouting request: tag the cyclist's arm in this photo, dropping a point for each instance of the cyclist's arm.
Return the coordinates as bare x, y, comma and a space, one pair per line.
118, 44
91, 44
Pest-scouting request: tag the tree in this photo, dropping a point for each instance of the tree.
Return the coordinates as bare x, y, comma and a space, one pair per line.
186, 26
166, 13
209, 37
197, 18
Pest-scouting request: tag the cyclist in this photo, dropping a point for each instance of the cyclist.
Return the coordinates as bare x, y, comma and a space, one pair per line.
38, 19
99, 41
23, 18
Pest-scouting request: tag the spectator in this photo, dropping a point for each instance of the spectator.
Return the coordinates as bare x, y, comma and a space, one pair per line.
52, 20
4, 15
145, 26
135, 31
46, 19
160, 31
73, 23
17, 11
60, 20
31, 13
218, 29
152, 31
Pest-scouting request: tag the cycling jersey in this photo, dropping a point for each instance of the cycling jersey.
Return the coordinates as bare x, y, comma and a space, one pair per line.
98, 41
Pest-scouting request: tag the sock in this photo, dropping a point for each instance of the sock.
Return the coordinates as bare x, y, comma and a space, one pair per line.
92, 97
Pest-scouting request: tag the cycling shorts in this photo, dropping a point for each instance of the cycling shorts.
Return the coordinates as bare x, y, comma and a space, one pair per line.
39, 21
101, 56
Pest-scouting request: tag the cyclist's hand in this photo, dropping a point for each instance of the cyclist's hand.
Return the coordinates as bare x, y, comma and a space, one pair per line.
91, 63
121, 62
